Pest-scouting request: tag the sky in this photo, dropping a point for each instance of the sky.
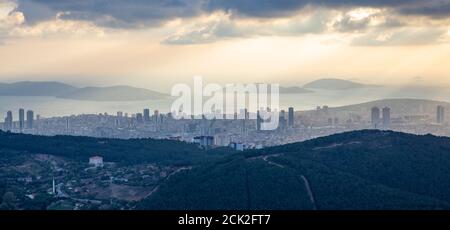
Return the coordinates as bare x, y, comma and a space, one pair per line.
158, 43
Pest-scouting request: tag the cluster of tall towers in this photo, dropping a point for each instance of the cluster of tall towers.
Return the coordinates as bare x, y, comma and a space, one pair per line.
283, 121
23, 123
146, 118
381, 118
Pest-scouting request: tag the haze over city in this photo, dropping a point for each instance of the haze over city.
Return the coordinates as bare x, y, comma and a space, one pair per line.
249, 105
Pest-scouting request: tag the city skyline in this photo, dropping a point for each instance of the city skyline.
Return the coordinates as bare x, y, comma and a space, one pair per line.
244, 106
241, 131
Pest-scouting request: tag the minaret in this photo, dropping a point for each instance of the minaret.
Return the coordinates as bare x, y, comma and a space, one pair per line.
54, 188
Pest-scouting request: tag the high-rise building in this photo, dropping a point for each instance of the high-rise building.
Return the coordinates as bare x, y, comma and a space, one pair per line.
386, 117
67, 125
243, 114
282, 120
30, 118
291, 117
325, 108
139, 118
21, 119
258, 121
162, 118
146, 115
440, 113
243, 126
375, 115
156, 116
9, 121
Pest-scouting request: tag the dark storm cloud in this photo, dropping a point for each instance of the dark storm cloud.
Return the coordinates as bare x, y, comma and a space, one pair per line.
433, 10
129, 13
276, 8
114, 13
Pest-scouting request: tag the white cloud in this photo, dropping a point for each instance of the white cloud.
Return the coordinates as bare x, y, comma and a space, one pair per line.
58, 27
401, 36
362, 26
13, 25
221, 25
370, 25
11, 20
8, 17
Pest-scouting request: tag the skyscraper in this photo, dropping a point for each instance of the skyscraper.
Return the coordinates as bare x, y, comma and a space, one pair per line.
282, 120
162, 118
9, 121
21, 119
386, 117
258, 121
291, 117
243, 114
156, 116
67, 125
440, 113
146, 115
375, 117
139, 118
30, 118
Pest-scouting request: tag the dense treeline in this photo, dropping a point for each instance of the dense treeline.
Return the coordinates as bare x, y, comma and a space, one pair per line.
410, 163
133, 151
237, 185
354, 170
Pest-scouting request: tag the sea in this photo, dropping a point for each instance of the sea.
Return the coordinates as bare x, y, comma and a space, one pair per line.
51, 106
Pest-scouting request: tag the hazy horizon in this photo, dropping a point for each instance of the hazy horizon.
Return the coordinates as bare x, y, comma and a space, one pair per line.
237, 105
415, 82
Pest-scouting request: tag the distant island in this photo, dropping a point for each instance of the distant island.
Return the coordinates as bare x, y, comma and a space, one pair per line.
62, 90
335, 84
294, 90
325, 83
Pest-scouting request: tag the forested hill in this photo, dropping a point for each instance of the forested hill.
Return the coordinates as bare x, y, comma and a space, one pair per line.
354, 170
125, 152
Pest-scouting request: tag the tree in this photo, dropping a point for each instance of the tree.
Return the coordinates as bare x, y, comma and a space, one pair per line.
9, 198
8, 201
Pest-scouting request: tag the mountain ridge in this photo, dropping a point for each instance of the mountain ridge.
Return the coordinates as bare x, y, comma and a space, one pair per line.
66, 91
335, 84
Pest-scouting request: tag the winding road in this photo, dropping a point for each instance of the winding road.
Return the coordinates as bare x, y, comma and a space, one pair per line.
302, 177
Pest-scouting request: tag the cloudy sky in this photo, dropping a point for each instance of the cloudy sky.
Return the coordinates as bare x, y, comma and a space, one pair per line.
156, 43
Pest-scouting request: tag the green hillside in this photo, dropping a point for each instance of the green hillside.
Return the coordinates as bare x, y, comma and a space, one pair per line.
355, 170
124, 152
